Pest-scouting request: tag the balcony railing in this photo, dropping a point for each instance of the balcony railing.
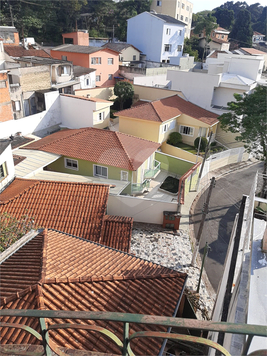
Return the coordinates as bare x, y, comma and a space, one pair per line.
124, 347
140, 187
151, 173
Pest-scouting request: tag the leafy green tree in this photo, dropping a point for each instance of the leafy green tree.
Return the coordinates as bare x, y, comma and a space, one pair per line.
174, 139
206, 24
203, 143
261, 24
191, 47
242, 31
123, 91
225, 17
12, 229
247, 118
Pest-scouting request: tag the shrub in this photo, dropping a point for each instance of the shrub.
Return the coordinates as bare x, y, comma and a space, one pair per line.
174, 139
203, 144
214, 143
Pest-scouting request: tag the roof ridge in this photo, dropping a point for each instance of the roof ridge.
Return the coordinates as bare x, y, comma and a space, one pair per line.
44, 255
124, 149
152, 104
91, 279
34, 183
63, 138
17, 295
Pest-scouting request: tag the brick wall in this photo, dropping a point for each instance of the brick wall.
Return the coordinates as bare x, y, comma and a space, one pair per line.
6, 112
35, 78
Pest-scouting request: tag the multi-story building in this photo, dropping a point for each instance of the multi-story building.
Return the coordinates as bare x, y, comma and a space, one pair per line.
180, 10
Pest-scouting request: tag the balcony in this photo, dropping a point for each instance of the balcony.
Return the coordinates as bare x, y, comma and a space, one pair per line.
139, 188
186, 327
151, 173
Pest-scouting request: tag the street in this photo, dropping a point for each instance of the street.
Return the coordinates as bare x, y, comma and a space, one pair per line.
224, 205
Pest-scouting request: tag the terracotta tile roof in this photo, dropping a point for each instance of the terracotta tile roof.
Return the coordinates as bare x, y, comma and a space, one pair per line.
101, 146
253, 51
123, 227
80, 275
255, 33
19, 51
75, 208
168, 108
218, 40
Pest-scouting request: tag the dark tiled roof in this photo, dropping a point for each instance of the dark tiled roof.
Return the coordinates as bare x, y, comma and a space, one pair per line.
19, 51
218, 40
78, 70
168, 108
119, 47
95, 145
79, 275
168, 19
75, 208
79, 49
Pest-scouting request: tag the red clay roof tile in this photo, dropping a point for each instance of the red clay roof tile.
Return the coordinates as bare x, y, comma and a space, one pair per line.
99, 279
168, 108
19, 51
101, 146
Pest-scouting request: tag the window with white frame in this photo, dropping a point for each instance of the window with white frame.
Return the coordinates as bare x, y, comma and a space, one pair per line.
183, 5
158, 3
71, 164
100, 171
167, 48
3, 170
96, 60
168, 31
164, 128
180, 32
187, 8
110, 60
64, 58
179, 48
182, 18
98, 78
101, 116
178, 4
16, 105
186, 19
110, 77
134, 57
172, 125
124, 176
186, 130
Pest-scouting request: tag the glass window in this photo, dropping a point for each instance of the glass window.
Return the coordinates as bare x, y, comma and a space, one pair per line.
179, 48
167, 48
168, 31
64, 58
101, 116
3, 171
186, 130
100, 171
187, 8
110, 60
182, 17
164, 128
158, 3
16, 105
186, 19
183, 5
134, 57
71, 164
97, 78
110, 77
96, 60
124, 175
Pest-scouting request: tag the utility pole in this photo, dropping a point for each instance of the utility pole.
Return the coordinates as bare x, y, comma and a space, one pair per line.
204, 213
204, 159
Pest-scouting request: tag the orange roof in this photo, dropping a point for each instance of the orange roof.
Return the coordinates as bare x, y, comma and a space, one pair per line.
218, 40
168, 108
252, 51
19, 51
101, 146
71, 273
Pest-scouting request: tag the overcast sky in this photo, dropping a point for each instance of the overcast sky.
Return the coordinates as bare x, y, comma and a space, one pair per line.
200, 5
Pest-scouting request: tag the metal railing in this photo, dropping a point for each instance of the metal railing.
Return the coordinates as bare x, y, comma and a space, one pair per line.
124, 345
140, 187
150, 173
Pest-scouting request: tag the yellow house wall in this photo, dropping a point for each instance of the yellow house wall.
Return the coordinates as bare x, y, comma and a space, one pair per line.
101, 124
139, 128
179, 153
153, 93
164, 136
128, 54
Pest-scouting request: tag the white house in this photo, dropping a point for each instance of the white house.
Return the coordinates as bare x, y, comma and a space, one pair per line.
7, 170
158, 36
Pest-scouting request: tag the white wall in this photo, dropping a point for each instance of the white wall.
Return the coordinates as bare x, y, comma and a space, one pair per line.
33, 123
157, 80
196, 87
91, 77
174, 39
7, 157
141, 210
76, 113
222, 96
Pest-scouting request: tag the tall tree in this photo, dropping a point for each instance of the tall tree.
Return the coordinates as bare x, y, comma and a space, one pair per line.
242, 31
225, 17
206, 24
124, 91
247, 118
261, 24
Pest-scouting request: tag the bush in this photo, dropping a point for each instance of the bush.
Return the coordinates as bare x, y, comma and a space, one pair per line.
203, 144
174, 139
214, 143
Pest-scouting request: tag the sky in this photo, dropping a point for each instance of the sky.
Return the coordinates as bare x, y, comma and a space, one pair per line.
200, 5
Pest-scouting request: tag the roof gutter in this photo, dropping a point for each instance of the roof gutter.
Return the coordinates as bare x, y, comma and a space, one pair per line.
174, 315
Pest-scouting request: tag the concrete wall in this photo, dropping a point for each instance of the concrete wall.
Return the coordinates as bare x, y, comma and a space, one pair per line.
151, 81
179, 153
43, 121
173, 164
152, 93
101, 93
140, 209
7, 157
35, 78
224, 158
76, 113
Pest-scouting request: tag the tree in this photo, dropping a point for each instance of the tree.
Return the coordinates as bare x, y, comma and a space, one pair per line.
123, 90
242, 31
191, 47
174, 139
247, 118
12, 229
225, 17
205, 25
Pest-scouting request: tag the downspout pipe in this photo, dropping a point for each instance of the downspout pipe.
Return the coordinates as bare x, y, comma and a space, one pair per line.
174, 315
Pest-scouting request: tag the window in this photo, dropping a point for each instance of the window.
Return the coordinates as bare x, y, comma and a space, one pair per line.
172, 125
63, 70
16, 105
180, 32
186, 19
100, 171
158, 3
183, 6
186, 130
3, 171
164, 128
134, 57
167, 48
168, 31
124, 175
64, 58
71, 164
213, 34
178, 4
222, 36
110, 77
110, 60
182, 18
101, 116
87, 82
179, 48
187, 8
2, 84
98, 78
96, 60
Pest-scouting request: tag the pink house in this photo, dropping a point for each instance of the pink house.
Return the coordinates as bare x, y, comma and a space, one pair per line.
105, 61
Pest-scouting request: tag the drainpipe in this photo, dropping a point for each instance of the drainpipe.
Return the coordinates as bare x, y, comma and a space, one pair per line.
174, 315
